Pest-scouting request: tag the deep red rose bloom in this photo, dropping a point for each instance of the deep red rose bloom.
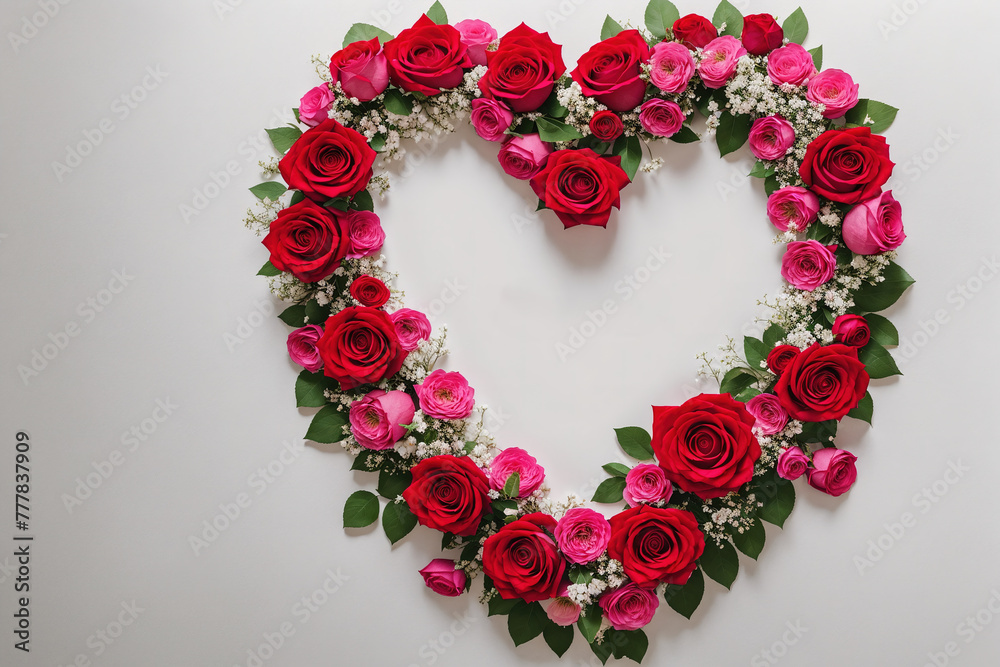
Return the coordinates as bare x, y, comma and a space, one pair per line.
328, 161
822, 383
523, 70
706, 446
609, 71
694, 31
656, 545
761, 34
523, 561
427, 58
580, 186
847, 166
448, 493
308, 241
852, 330
779, 358
607, 125
360, 346
369, 291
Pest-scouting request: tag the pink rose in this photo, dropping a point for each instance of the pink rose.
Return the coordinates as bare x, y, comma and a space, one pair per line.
834, 88
719, 60
582, 535
629, 607
792, 208
314, 107
808, 264
563, 611
514, 459
441, 577
361, 69
302, 347
491, 119
790, 64
647, 483
792, 463
411, 328
766, 409
874, 226
476, 35
446, 395
833, 471
671, 67
523, 157
364, 234
377, 420
661, 117
771, 137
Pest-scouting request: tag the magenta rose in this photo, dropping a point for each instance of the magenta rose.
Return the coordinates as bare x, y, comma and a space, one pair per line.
476, 35
835, 89
671, 67
523, 157
647, 483
808, 264
792, 463
302, 347
364, 234
661, 118
833, 471
771, 137
361, 70
792, 208
609, 71
719, 60
582, 535
491, 119
561, 610
515, 460
852, 330
441, 577
790, 64
446, 395
314, 107
629, 607
770, 417
874, 226
377, 420
412, 327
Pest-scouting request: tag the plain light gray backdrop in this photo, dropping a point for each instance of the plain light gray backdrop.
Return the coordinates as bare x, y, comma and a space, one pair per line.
158, 100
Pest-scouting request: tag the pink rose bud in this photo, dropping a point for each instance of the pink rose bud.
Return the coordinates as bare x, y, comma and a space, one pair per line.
441, 577
852, 330
833, 471
490, 119
378, 419
563, 611
412, 327
792, 463
792, 208
647, 483
661, 118
361, 70
771, 137
523, 157
302, 347
719, 60
770, 417
790, 64
511, 460
808, 264
314, 107
446, 395
874, 226
834, 88
364, 233
671, 67
582, 535
476, 36
629, 607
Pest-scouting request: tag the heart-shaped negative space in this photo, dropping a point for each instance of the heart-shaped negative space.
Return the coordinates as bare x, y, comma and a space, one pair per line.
708, 471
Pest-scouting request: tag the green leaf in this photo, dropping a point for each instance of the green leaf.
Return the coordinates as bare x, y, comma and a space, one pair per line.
820, 432
364, 32
363, 201
590, 622
552, 108
630, 150
616, 469
685, 135
268, 270
269, 190
761, 170
751, 540
772, 335
660, 17
771, 184
437, 14
327, 425
602, 650
635, 442
338, 203
631, 644
865, 409
397, 521
883, 331
796, 27
685, 599
294, 316
872, 298
579, 575
316, 313
817, 55
377, 143
497, 606
878, 362
554, 130
512, 487
756, 351
733, 132
875, 115
720, 562
610, 490
297, 196
283, 138
777, 508
398, 103
735, 381
360, 510
558, 637
610, 28
729, 15
525, 622
309, 390
392, 484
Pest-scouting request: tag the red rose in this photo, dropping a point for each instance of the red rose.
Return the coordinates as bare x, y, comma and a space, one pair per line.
606, 125
448, 493
706, 446
851, 330
523, 70
609, 71
427, 57
779, 358
761, 34
307, 240
369, 291
580, 186
694, 31
656, 545
822, 383
328, 161
360, 346
847, 166
523, 561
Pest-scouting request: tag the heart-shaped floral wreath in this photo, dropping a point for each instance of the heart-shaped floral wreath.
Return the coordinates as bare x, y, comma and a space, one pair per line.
713, 468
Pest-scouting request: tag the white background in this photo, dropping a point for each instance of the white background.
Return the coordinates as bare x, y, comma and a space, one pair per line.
453, 217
